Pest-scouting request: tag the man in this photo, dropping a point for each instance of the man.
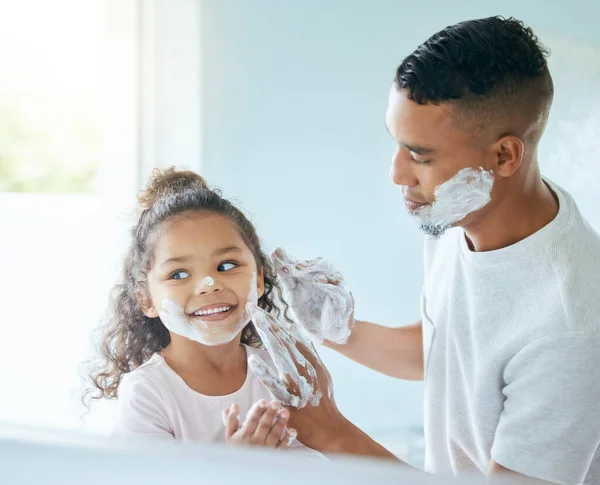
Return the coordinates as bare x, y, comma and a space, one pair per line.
509, 339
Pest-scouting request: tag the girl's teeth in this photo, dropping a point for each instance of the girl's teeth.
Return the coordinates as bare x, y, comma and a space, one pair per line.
212, 311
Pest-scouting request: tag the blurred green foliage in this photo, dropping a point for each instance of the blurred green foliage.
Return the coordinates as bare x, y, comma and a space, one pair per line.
45, 151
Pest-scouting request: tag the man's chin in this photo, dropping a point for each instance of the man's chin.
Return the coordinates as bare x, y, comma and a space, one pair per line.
433, 230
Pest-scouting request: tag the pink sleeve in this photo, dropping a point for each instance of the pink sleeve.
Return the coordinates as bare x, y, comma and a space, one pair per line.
140, 409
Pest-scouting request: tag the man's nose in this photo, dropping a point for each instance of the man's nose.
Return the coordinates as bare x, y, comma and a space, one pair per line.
401, 172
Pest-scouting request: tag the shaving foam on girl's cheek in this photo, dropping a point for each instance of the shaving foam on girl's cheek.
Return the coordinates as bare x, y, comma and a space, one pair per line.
177, 321
253, 293
468, 191
317, 297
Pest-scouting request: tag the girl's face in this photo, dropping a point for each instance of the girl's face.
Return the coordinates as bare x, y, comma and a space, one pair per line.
202, 264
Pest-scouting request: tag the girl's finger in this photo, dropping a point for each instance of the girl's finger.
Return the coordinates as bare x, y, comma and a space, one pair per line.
274, 436
231, 419
253, 418
288, 439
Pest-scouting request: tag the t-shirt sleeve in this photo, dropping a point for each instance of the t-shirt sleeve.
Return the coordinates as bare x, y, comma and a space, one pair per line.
550, 425
140, 409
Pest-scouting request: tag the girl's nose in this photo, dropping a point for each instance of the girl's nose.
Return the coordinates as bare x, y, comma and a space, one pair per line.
207, 285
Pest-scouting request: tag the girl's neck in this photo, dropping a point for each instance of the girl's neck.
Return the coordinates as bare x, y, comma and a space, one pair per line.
186, 355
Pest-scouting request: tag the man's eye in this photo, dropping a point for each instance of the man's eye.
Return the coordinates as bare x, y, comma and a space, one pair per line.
422, 162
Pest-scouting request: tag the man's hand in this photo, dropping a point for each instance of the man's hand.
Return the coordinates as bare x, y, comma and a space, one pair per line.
295, 380
301, 381
315, 291
265, 425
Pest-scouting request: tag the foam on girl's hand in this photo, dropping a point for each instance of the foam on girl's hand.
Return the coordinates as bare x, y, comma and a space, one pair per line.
285, 382
317, 297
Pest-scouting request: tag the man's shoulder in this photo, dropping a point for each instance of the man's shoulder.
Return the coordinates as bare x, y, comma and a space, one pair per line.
577, 240
574, 255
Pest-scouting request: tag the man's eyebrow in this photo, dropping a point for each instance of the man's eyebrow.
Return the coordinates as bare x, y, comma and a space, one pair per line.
419, 150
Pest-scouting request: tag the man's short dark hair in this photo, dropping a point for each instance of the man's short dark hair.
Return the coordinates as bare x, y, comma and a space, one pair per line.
484, 66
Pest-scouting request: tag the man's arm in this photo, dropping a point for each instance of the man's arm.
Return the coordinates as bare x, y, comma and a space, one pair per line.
343, 437
396, 352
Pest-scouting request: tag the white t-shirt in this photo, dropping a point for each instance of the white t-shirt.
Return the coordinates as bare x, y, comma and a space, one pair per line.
155, 401
511, 344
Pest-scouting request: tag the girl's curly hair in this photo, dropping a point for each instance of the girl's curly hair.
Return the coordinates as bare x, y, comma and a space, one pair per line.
129, 338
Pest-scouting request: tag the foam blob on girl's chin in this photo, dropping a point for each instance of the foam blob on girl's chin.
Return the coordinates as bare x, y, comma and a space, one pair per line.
468, 191
173, 317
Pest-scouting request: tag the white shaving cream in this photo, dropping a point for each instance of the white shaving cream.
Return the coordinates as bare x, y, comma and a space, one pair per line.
468, 191
285, 382
173, 316
316, 295
208, 281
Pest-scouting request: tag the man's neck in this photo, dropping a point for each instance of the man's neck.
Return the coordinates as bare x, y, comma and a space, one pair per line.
519, 216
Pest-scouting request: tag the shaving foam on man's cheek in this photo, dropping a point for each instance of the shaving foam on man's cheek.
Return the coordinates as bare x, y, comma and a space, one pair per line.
468, 191
175, 319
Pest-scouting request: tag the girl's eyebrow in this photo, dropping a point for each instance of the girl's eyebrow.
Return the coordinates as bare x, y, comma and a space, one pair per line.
216, 252
228, 249
178, 259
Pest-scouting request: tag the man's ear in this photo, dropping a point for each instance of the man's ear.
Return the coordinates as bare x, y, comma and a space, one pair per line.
509, 155
146, 304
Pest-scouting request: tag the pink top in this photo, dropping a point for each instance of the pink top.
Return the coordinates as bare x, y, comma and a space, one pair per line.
155, 401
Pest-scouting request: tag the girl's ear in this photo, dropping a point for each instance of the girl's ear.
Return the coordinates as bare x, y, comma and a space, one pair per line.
260, 282
146, 304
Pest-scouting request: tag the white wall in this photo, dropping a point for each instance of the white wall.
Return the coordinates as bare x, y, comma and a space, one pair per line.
294, 96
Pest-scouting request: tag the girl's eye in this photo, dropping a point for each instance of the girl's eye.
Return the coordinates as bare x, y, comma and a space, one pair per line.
180, 275
227, 266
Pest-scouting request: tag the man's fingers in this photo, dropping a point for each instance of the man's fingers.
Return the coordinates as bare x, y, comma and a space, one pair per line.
305, 372
271, 381
231, 420
295, 372
339, 322
266, 326
323, 378
337, 293
253, 418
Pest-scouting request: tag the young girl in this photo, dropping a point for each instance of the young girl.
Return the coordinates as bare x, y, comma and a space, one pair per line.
176, 346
